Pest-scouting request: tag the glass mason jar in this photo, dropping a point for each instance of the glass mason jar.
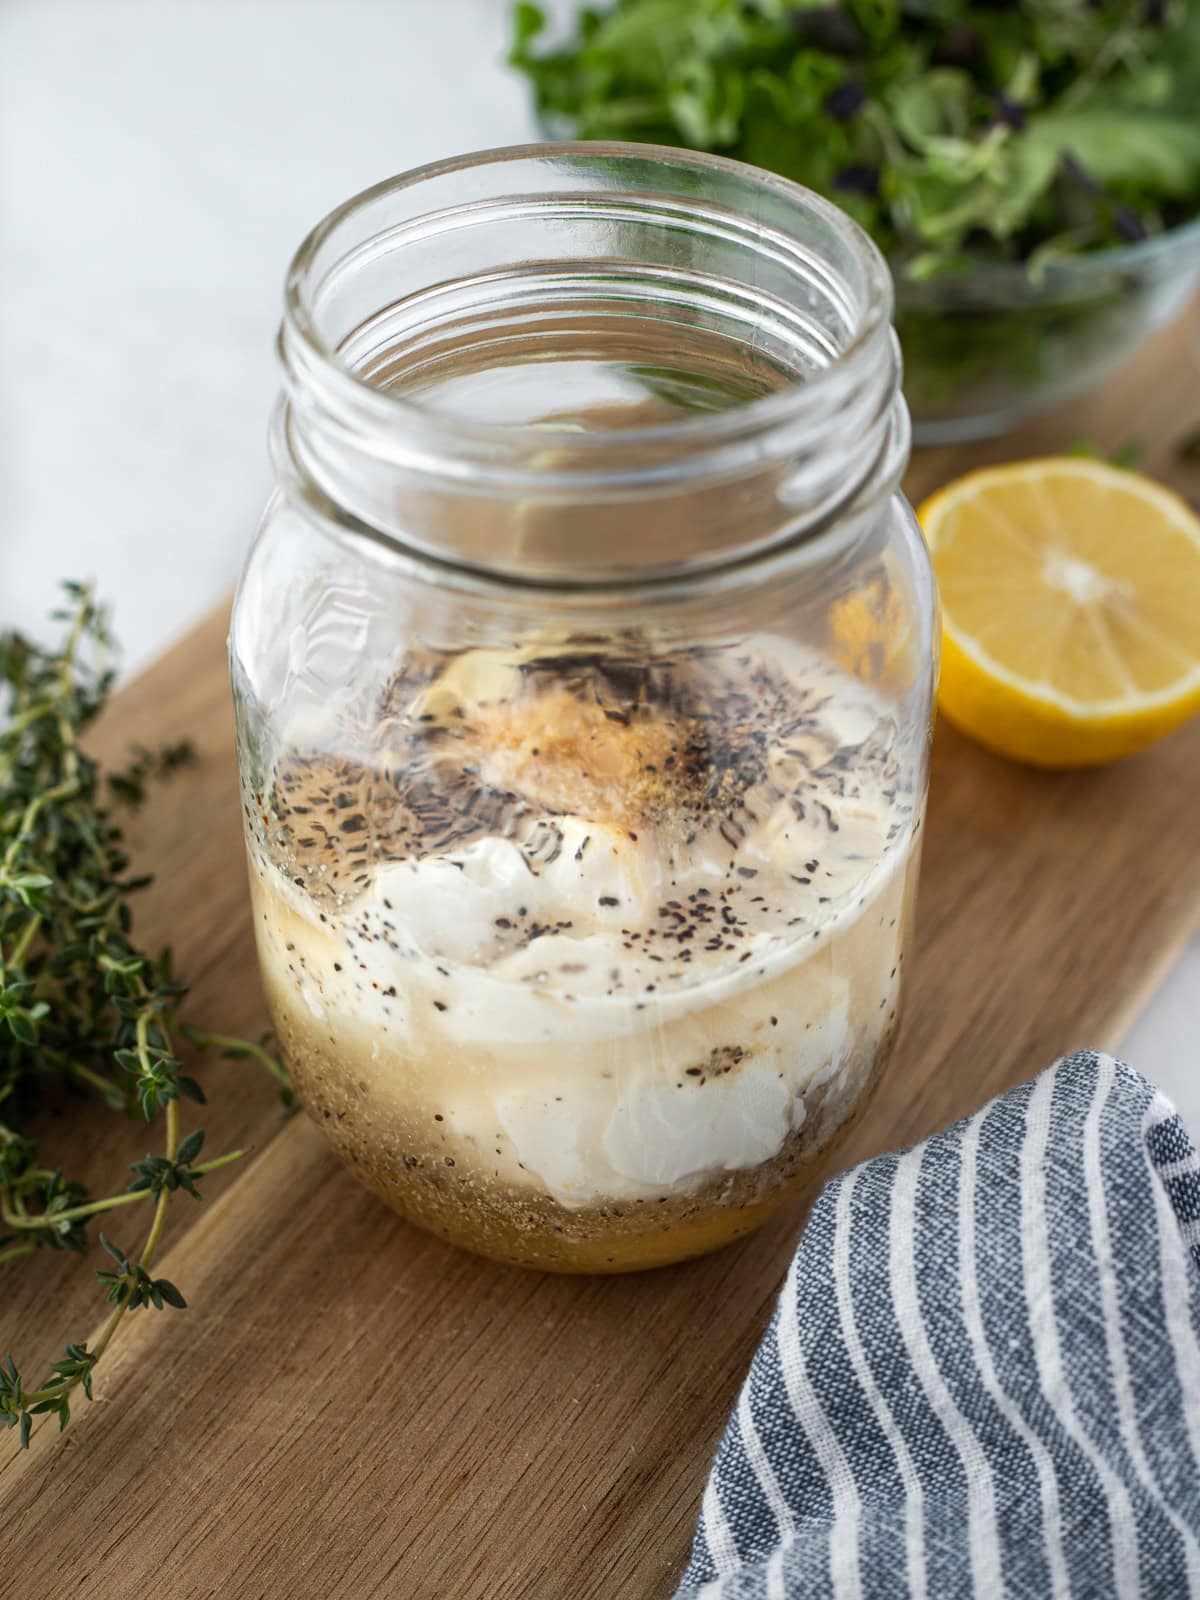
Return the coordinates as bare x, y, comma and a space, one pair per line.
584, 666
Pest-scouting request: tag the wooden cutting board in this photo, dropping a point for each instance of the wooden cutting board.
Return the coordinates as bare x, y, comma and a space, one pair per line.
350, 1408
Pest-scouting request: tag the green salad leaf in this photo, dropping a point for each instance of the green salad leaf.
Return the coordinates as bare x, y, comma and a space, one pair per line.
953, 131
1126, 148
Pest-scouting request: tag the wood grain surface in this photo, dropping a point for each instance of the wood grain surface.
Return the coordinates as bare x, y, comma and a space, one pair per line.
352, 1409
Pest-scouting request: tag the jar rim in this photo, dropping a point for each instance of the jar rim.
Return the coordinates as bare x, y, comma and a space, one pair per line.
752, 416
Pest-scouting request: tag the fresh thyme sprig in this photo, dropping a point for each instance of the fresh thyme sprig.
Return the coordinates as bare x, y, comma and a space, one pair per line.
82, 1006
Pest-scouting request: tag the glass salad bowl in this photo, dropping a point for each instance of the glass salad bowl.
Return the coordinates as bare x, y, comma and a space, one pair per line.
986, 348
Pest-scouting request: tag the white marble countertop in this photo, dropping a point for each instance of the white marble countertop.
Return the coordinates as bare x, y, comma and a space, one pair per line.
159, 162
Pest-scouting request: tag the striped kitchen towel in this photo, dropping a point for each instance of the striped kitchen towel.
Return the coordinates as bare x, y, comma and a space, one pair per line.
983, 1374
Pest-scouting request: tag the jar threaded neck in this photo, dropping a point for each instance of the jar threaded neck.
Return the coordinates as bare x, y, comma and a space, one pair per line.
528, 262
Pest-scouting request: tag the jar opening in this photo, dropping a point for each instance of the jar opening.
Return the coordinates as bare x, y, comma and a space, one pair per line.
494, 358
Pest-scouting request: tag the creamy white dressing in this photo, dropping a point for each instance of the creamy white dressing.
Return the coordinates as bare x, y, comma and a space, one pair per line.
618, 1013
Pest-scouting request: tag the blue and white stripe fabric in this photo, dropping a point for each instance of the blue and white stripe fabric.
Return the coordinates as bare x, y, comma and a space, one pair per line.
983, 1374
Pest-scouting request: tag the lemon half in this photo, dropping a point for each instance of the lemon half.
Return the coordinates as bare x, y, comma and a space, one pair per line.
1070, 597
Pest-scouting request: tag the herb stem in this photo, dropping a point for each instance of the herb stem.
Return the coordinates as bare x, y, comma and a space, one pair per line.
242, 1047
93, 1208
164, 1198
14, 1251
21, 949
35, 713
48, 797
97, 1080
52, 1391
